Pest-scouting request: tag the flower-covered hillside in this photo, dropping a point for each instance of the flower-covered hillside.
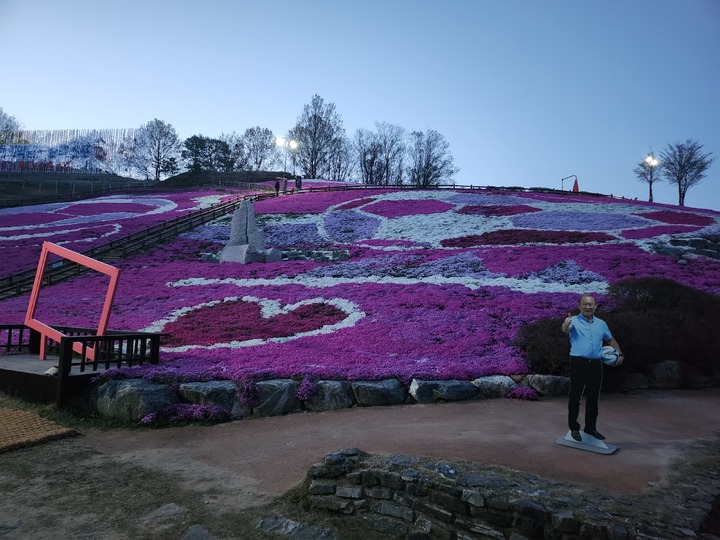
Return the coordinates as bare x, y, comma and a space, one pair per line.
83, 224
427, 284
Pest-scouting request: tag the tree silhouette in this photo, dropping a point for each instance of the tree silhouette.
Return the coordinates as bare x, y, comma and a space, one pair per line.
684, 165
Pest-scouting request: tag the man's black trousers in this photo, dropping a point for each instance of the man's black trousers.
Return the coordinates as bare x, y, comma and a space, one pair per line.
585, 377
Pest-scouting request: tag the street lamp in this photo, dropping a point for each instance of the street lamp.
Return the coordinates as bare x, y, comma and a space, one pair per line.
282, 141
650, 163
562, 181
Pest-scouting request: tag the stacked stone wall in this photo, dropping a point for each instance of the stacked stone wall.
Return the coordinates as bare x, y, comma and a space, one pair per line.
421, 499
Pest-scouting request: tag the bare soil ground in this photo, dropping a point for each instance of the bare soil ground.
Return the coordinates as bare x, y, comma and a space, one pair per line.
68, 489
128, 482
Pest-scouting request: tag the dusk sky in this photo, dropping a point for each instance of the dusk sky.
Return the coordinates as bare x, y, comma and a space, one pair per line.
526, 92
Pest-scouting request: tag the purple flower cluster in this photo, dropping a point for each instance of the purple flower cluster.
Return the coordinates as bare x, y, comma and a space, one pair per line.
349, 226
184, 413
293, 235
523, 392
564, 272
392, 209
306, 389
406, 304
578, 221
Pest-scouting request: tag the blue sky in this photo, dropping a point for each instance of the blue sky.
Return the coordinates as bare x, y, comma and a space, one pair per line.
526, 92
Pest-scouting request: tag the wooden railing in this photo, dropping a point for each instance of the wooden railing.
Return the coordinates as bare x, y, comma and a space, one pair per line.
115, 349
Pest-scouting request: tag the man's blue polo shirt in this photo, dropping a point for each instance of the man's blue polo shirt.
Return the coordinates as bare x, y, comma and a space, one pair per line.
586, 337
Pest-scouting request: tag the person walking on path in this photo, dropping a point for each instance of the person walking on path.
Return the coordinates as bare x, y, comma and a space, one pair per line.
277, 187
587, 335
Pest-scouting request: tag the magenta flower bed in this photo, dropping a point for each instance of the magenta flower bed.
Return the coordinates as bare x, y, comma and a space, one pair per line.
81, 225
391, 209
679, 218
659, 230
524, 236
437, 294
497, 210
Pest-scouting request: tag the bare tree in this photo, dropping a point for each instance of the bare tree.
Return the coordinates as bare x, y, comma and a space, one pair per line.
317, 130
392, 152
431, 162
255, 149
156, 143
367, 149
381, 154
684, 165
645, 172
9, 127
340, 166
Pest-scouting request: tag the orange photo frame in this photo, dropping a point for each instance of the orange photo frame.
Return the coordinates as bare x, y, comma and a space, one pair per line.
46, 331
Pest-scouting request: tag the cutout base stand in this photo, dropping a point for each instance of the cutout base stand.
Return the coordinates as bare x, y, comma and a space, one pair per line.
588, 444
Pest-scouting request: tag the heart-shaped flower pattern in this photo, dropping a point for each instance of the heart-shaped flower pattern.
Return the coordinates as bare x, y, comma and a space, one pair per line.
242, 322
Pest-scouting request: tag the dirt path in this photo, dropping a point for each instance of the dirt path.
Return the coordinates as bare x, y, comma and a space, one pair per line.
224, 478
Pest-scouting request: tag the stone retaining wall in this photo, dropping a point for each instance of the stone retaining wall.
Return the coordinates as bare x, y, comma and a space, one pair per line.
130, 400
418, 498
681, 246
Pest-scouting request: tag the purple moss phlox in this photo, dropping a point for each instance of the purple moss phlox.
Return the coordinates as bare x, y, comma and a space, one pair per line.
306, 389
183, 413
523, 392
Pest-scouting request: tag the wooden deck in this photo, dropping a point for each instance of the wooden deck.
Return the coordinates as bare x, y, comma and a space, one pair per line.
23, 376
31, 364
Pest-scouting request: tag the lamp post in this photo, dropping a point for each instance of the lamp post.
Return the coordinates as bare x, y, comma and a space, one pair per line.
282, 141
562, 181
650, 163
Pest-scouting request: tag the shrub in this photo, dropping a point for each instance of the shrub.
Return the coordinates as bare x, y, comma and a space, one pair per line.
659, 319
653, 319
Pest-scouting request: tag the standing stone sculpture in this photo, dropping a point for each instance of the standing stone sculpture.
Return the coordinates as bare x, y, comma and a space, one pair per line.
247, 241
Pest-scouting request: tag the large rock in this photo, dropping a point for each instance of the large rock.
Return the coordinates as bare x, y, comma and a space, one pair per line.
219, 393
277, 397
494, 386
430, 391
423, 391
247, 241
282, 526
129, 400
330, 396
666, 374
373, 393
549, 385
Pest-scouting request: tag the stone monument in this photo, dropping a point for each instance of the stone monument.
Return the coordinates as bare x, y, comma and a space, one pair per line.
247, 241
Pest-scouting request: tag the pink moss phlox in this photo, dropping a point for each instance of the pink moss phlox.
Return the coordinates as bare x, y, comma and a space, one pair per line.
82, 225
523, 392
526, 236
306, 389
248, 392
354, 204
421, 319
679, 218
241, 321
658, 230
497, 210
311, 203
412, 207
184, 413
